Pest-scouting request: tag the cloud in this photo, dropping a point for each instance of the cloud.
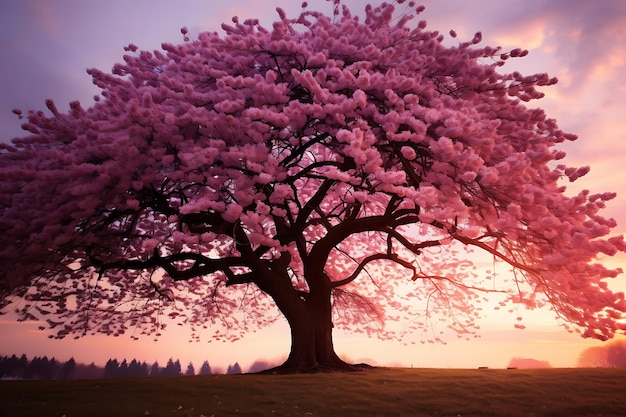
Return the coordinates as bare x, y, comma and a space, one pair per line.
44, 14
585, 37
265, 11
530, 35
528, 363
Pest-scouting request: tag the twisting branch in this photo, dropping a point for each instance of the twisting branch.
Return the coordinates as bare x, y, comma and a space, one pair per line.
473, 242
202, 265
297, 154
413, 247
312, 204
378, 256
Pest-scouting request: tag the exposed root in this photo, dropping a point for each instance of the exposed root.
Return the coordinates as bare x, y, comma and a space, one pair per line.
339, 367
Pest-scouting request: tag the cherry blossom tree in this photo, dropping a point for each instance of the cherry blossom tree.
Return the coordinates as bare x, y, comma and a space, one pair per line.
311, 171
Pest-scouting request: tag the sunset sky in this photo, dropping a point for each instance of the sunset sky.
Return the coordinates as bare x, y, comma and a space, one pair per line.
46, 46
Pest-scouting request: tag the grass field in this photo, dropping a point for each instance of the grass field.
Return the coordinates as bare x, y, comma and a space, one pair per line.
376, 392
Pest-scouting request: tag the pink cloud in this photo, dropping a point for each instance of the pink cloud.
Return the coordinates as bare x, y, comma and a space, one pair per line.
44, 13
528, 363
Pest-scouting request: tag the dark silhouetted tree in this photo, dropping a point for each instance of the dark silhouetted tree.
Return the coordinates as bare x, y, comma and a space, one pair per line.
155, 370
22, 364
172, 368
190, 370
137, 369
134, 368
122, 370
233, 369
55, 369
41, 368
7, 365
69, 368
111, 368
317, 167
14, 367
205, 369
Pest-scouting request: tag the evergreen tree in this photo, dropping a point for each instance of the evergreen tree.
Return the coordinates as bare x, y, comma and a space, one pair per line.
69, 368
21, 366
205, 369
155, 370
172, 368
137, 369
4, 366
38, 368
145, 371
7, 366
13, 367
111, 368
190, 370
233, 369
123, 369
53, 370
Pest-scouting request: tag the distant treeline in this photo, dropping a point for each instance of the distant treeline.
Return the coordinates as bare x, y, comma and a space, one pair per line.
44, 368
134, 368
14, 367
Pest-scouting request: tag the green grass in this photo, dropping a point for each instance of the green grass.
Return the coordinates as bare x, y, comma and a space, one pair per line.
376, 392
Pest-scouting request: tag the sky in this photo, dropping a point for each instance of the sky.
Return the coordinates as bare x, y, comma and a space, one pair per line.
46, 46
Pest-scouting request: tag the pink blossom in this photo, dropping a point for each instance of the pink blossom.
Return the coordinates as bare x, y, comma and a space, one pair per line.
408, 152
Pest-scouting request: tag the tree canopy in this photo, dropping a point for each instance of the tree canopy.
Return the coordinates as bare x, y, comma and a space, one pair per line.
316, 166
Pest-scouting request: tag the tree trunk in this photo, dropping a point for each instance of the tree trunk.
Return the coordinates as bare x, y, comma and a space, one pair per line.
310, 320
311, 339
312, 349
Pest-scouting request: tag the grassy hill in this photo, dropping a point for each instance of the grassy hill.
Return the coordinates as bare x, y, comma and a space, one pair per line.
376, 392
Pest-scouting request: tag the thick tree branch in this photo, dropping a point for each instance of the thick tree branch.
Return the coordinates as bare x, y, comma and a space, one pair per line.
413, 247
297, 153
201, 265
311, 205
379, 256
